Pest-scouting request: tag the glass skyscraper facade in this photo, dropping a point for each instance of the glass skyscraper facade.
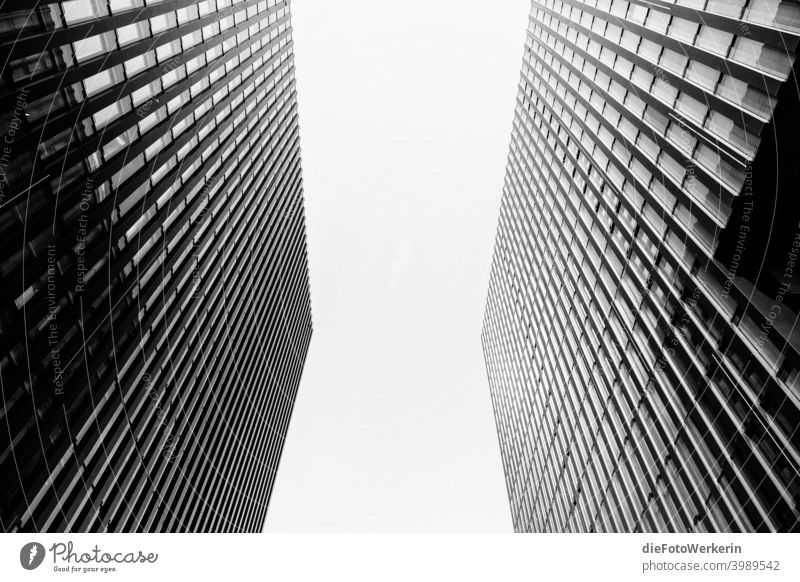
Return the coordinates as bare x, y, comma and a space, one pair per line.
156, 313
640, 331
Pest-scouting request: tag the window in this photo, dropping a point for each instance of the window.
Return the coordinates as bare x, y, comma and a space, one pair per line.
139, 63
757, 54
691, 107
732, 133
683, 29
702, 75
673, 61
123, 5
650, 50
637, 13
746, 96
731, 8
714, 40
665, 91
94, 45
110, 113
657, 21
656, 119
103, 80
165, 52
679, 135
642, 77
162, 22
83, 10
119, 143
133, 32
186, 14
779, 13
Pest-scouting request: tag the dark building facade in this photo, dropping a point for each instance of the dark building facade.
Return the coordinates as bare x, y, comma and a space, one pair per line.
641, 332
155, 316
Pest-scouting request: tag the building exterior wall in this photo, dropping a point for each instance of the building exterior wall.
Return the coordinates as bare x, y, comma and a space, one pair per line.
156, 314
639, 329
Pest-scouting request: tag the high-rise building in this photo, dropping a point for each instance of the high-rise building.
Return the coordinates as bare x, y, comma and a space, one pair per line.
641, 332
156, 314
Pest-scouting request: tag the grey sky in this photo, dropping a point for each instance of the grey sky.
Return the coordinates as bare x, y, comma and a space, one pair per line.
405, 115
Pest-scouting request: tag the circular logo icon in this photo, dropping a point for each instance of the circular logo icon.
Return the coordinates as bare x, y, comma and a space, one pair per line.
31, 555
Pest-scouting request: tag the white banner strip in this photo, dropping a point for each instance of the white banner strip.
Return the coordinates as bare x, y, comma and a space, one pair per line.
401, 557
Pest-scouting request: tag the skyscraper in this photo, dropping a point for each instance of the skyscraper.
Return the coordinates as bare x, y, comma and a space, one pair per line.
640, 330
156, 314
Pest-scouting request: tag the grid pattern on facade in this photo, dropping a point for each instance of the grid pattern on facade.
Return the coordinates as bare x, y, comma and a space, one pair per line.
156, 313
635, 384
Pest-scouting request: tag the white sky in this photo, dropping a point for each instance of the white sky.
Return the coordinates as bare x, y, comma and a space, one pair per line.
405, 116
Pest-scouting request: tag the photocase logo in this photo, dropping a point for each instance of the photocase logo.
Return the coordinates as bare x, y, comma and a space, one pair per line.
31, 555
